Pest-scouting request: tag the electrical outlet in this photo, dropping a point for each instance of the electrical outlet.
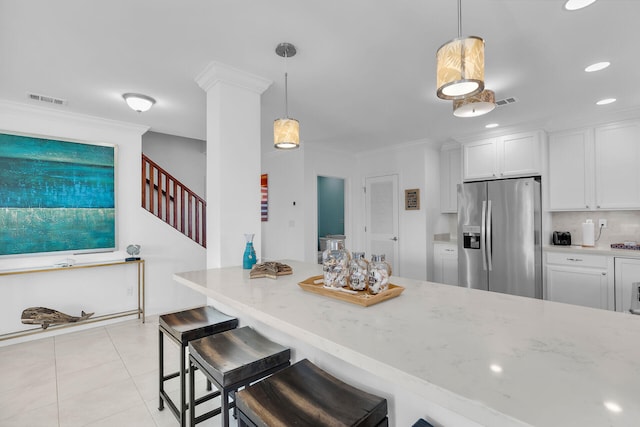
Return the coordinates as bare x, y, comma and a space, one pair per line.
602, 223
130, 291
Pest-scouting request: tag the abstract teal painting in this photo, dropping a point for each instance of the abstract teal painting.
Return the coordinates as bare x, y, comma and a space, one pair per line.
55, 196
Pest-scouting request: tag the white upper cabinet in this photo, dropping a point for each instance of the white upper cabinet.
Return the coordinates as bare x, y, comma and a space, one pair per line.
595, 168
450, 177
503, 157
480, 159
569, 157
617, 166
520, 155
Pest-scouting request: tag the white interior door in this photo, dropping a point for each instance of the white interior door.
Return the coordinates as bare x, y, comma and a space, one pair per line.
381, 201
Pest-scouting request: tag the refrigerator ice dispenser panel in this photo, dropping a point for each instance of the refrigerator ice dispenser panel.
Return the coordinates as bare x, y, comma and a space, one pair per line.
471, 236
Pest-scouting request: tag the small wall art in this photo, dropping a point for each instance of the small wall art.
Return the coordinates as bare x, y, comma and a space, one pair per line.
264, 197
412, 199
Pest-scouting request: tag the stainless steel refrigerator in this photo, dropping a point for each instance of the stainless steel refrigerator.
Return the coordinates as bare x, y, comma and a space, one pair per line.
499, 232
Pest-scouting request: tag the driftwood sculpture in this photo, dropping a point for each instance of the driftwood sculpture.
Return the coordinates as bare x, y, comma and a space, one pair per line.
47, 316
270, 269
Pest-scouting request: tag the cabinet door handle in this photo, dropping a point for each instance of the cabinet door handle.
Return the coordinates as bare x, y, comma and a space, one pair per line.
604, 274
574, 259
449, 250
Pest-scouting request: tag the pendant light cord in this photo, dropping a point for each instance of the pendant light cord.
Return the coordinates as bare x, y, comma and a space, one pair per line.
459, 18
286, 97
286, 90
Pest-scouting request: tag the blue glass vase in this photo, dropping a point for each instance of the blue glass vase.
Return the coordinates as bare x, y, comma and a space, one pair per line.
249, 257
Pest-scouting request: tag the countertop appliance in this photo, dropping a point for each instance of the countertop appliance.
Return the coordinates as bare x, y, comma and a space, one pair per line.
499, 236
562, 238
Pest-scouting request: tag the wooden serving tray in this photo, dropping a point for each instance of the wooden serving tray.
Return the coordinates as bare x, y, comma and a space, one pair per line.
362, 298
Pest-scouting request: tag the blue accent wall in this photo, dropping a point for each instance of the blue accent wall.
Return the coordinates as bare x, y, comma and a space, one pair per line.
330, 206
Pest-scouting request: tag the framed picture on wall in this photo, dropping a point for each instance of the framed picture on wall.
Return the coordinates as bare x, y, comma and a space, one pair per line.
412, 199
56, 196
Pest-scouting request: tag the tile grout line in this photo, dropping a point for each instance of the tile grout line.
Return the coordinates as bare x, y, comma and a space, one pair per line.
130, 375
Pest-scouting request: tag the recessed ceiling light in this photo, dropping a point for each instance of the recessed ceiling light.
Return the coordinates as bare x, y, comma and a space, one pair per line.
492, 125
606, 101
613, 406
496, 368
577, 4
597, 66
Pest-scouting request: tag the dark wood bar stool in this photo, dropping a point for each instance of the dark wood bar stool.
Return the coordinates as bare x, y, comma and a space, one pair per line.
182, 327
305, 395
231, 360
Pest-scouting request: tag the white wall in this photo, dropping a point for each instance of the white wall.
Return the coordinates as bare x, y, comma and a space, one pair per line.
291, 232
335, 164
165, 250
283, 233
409, 163
184, 158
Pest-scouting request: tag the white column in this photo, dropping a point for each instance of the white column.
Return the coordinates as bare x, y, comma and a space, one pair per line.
233, 161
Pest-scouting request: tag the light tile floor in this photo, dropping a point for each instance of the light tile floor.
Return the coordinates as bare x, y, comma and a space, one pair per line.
101, 377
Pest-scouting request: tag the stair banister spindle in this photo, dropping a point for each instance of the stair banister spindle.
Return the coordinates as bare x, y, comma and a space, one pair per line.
160, 189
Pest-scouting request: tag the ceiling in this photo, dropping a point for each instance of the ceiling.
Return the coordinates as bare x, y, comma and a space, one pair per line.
364, 75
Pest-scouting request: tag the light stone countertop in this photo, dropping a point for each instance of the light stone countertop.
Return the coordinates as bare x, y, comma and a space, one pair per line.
598, 250
496, 359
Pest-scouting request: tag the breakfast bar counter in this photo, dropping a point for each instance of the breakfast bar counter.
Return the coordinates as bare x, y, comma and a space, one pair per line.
454, 355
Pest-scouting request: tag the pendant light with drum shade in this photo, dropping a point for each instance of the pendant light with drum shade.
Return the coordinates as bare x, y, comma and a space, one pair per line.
475, 105
286, 131
460, 65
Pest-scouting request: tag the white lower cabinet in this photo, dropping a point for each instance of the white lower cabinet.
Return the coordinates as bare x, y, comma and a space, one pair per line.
580, 279
627, 273
445, 263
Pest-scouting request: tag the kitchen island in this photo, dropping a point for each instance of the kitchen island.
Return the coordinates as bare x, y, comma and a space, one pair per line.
453, 355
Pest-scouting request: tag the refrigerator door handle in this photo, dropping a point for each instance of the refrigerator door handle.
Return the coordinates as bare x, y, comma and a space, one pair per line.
483, 234
488, 236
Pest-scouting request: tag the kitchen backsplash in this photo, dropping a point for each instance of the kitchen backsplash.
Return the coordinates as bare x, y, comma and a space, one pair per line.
622, 226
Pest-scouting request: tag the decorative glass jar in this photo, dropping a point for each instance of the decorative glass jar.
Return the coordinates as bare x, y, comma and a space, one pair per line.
378, 275
358, 271
335, 264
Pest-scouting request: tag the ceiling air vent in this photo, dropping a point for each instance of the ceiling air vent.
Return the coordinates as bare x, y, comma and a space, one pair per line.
46, 99
505, 101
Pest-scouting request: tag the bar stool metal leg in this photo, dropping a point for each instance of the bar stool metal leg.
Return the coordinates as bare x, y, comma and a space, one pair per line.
161, 369
183, 391
192, 395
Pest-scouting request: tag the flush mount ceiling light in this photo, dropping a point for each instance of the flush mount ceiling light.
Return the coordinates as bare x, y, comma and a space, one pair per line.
460, 65
138, 102
286, 131
577, 4
597, 66
476, 105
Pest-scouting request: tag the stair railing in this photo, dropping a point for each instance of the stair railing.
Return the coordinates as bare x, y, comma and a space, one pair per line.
173, 202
